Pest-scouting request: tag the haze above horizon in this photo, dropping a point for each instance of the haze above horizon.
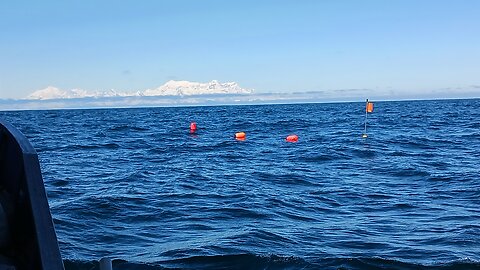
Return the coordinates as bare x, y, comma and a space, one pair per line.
398, 47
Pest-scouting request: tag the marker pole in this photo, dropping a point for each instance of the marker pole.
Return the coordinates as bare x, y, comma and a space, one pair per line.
366, 116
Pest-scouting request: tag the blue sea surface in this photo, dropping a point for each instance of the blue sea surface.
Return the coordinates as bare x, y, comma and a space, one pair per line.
134, 185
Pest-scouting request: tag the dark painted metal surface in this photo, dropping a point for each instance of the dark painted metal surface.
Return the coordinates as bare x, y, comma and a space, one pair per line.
29, 239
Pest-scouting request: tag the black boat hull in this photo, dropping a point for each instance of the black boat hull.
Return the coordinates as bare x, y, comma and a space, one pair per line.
27, 234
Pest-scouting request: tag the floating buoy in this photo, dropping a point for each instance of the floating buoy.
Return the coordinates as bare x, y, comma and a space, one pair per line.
240, 136
292, 138
193, 127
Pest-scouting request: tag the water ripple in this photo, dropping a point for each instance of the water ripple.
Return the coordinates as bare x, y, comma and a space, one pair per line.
134, 184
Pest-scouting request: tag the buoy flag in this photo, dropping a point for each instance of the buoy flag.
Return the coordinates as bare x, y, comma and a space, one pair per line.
369, 107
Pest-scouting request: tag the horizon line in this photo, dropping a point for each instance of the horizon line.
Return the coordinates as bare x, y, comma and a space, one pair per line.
206, 104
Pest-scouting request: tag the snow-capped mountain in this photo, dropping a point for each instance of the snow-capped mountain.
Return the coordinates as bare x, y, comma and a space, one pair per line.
56, 93
171, 88
186, 88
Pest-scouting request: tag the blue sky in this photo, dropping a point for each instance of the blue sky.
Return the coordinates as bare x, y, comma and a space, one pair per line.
270, 46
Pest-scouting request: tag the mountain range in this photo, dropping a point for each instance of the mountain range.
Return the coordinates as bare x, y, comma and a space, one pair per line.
171, 88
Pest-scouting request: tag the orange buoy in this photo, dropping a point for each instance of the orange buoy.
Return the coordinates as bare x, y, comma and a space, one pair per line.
292, 138
193, 127
240, 136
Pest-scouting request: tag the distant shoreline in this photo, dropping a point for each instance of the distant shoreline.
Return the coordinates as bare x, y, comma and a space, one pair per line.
200, 100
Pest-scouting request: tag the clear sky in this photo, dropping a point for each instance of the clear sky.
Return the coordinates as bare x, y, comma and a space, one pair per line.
270, 46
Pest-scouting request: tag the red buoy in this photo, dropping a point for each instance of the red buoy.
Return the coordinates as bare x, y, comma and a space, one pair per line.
193, 127
292, 138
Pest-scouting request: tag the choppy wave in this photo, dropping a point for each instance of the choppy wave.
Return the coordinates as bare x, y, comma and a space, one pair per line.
250, 261
136, 186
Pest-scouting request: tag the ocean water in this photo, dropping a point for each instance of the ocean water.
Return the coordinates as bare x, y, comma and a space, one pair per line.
134, 185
